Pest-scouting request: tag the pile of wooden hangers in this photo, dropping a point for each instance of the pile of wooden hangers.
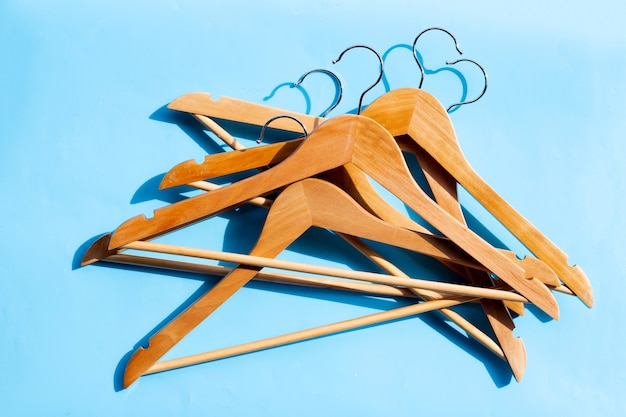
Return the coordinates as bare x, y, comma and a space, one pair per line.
323, 180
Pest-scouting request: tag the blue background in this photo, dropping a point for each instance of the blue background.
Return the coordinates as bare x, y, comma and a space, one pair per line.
85, 138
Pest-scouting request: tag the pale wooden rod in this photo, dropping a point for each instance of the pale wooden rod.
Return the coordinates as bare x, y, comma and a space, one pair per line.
219, 131
259, 261
302, 335
279, 278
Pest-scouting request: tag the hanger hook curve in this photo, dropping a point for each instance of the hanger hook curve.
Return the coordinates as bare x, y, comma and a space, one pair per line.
456, 45
484, 88
338, 86
380, 75
287, 116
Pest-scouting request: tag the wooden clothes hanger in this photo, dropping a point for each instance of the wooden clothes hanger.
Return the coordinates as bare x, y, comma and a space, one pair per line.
321, 151
513, 350
303, 204
339, 141
419, 116
157, 217
501, 321
163, 231
399, 110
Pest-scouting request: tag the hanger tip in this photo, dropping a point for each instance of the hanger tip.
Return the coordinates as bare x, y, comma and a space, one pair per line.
98, 250
581, 286
135, 367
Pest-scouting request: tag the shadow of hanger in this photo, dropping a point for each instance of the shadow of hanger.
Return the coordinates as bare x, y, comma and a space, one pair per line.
290, 85
188, 125
498, 370
427, 71
298, 85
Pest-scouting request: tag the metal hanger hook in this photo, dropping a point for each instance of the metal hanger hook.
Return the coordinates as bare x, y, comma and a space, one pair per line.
456, 45
380, 75
484, 89
338, 86
287, 116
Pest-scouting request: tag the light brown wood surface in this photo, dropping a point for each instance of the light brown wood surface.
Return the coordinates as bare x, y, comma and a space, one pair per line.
228, 108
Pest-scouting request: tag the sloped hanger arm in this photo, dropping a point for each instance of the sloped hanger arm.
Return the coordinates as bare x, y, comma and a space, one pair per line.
418, 115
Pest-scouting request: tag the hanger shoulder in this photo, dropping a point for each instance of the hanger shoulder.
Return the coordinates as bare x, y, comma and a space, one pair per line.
356, 184
242, 111
331, 208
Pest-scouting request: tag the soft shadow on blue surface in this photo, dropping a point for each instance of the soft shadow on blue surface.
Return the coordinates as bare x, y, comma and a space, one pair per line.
307, 97
427, 72
187, 124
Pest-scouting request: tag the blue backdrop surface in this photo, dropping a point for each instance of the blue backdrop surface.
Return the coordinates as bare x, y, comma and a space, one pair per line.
85, 138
